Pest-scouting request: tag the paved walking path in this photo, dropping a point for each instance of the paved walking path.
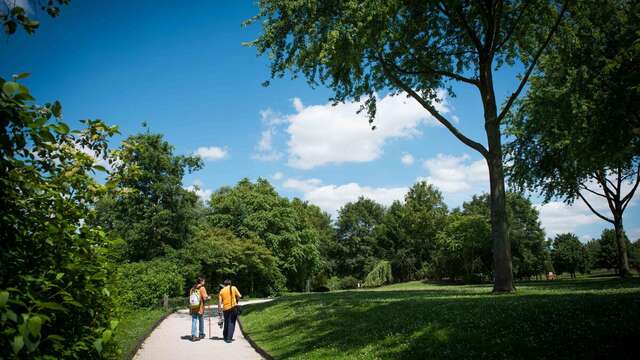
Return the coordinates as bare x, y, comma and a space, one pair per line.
166, 341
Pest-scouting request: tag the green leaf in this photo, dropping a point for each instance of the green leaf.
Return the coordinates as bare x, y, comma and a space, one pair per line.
12, 316
22, 75
17, 344
34, 324
62, 128
56, 109
4, 297
51, 306
56, 338
100, 168
106, 336
98, 345
114, 324
10, 88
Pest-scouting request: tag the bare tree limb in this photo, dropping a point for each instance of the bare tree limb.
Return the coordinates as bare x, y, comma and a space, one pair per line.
432, 110
594, 210
593, 192
627, 199
533, 64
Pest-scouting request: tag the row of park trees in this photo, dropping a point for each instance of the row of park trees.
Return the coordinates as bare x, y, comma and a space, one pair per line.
576, 133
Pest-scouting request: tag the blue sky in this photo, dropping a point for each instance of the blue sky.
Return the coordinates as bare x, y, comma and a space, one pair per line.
182, 69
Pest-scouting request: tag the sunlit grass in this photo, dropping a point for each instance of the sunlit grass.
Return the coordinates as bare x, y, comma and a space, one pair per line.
585, 318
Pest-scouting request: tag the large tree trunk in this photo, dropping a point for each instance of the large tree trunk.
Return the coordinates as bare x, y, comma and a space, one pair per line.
499, 234
623, 260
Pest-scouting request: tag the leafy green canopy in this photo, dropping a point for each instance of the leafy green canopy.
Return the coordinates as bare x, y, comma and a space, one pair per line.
256, 211
217, 254
568, 254
525, 231
53, 297
148, 207
582, 107
356, 251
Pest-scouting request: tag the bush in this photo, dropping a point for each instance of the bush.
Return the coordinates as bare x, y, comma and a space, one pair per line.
144, 284
349, 282
380, 275
53, 299
334, 283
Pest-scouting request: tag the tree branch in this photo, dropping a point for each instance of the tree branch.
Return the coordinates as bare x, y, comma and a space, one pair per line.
513, 27
463, 22
593, 192
627, 199
602, 179
472, 144
594, 210
428, 69
533, 64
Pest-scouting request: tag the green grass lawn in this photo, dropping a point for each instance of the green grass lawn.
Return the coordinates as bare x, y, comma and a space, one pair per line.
588, 318
133, 326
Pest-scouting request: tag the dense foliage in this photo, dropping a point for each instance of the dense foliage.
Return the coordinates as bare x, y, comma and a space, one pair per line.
53, 297
148, 207
576, 134
256, 211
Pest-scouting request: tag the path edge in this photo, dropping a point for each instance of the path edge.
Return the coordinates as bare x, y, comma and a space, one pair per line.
135, 350
253, 344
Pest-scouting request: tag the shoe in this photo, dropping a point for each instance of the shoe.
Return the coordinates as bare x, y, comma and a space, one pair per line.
193, 339
227, 341
202, 336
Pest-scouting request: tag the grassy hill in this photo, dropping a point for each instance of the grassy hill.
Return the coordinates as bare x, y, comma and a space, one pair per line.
587, 318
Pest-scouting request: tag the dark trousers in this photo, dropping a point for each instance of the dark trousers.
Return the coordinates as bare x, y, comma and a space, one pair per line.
230, 317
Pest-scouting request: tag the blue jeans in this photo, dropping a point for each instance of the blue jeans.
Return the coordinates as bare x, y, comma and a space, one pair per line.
197, 318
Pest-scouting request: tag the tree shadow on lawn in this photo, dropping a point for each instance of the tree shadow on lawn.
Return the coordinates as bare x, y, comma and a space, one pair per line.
421, 325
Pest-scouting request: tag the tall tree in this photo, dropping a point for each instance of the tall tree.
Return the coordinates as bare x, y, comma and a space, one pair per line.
357, 241
257, 211
574, 133
524, 229
567, 254
361, 48
148, 207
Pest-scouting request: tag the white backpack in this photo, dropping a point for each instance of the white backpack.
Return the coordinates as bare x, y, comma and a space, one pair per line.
194, 299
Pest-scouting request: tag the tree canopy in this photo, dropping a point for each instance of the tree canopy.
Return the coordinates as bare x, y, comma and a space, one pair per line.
360, 49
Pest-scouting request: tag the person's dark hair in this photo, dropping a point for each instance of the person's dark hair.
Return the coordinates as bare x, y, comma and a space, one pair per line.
227, 282
199, 281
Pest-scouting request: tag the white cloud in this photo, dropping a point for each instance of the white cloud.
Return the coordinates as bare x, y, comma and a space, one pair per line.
265, 150
198, 188
331, 198
407, 159
302, 185
277, 176
455, 174
326, 134
557, 217
212, 153
633, 234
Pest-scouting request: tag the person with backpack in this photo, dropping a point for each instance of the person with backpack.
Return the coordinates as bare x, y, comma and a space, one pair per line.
228, 301
197, 297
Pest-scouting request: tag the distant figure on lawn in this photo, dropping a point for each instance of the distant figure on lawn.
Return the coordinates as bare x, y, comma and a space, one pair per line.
551, 275
228, 301
197, 297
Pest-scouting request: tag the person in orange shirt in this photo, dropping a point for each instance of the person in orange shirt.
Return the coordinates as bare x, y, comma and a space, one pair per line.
227, 302
197, 314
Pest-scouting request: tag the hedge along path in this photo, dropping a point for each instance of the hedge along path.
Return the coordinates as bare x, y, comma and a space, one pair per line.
167, 340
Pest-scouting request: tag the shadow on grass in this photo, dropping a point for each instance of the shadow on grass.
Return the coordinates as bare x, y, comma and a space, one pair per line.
443, 324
